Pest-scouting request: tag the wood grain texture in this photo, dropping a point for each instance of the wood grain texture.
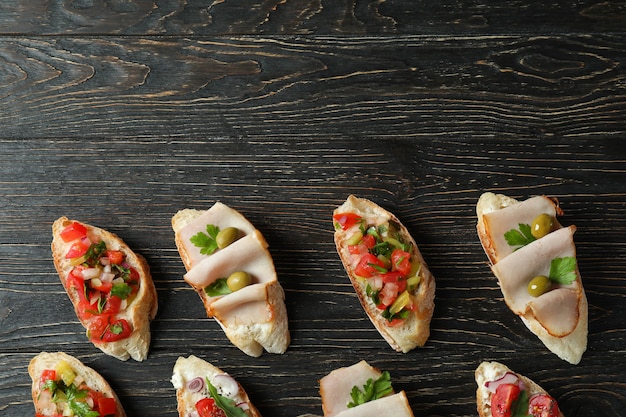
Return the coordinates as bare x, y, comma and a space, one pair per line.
288, 190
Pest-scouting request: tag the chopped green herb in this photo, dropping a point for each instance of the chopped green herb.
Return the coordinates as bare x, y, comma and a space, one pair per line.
519, 238
563, 270
73, 396
372, 390
519, 408
94, 252
224, 403
122, 290
219, 287
116, 328
206, 241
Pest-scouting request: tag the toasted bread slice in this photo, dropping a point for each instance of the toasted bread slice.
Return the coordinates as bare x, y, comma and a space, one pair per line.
65, 372
404, 322
89, 280
489, 375
190, 378
559, 316
345, 393
253, 318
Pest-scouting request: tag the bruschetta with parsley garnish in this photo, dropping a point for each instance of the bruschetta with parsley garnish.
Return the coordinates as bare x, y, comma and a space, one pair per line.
360, 390
387, 271
534, 259
504, 393
204, 390
109, 285
231, 269
64, 386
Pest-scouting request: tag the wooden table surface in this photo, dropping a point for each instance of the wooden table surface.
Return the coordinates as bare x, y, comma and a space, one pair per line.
120, 113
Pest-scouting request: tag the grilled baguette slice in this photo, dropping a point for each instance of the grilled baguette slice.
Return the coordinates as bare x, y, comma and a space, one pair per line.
189, 378
487, 372
138, 313
84, 377
253, 318
414, 330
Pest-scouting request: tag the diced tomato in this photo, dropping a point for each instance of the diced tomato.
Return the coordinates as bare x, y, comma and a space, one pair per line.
75, 281
502, 400
206, 407
48, 375
118, 330
388, 294
97, 327
116, 257
112, 304
401, 261
134, 275
101, 286
107, 406
369, 241
542, 405
78, 249
346, 220
369, 265
395, 278
73, 231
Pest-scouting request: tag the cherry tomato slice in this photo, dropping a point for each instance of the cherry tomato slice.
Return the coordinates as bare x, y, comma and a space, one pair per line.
206, 407
502, 400
346, 220
118, 330
72, 232
543, 405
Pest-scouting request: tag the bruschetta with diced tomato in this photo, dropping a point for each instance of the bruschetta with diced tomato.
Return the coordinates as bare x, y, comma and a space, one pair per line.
361, 390
204, 390
504, 393
64, 386
387, 271
228, 264
109, 285
534, 259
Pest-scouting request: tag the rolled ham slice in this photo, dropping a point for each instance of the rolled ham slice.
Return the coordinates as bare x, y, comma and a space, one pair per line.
396, 405
245, 306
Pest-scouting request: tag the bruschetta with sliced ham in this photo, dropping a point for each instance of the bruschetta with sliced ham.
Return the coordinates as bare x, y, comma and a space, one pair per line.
504, 393
64, 386
389, 274
360, 390
109, 285
534, 259
228, 264
204, 390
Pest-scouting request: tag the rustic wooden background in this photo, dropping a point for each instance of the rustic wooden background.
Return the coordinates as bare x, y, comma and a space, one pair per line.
121, 112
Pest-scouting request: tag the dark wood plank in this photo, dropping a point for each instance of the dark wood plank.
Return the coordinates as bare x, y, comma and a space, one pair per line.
309, 17
288, 189
406, 86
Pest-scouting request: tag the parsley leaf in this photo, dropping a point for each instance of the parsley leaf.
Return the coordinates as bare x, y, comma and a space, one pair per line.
563, 270
206, 241
121, 290
521, 237
372, 390
519, 408
224, 403
218, 287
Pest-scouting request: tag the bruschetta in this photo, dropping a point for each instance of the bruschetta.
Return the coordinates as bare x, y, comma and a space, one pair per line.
229, 266
361, 390
204, 390
534, 259
63, 386
504, 393
389, 274
109, 285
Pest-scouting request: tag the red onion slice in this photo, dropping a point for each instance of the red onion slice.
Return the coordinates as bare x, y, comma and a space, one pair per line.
196, 384
507, 378
226, 385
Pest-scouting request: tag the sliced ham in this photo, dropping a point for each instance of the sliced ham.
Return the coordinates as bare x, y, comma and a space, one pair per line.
335, 387
219, 215
498, 222
555, 310
247, 254
248, 305
396, 405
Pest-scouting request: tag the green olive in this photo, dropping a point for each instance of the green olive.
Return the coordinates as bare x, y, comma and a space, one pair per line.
541, 225
226, 236
539, 285
238, 280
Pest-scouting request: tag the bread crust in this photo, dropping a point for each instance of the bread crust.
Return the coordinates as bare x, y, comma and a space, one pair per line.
192, 365
490, 371
272, 336
139, 313
416, 328
570, 347
49, 360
